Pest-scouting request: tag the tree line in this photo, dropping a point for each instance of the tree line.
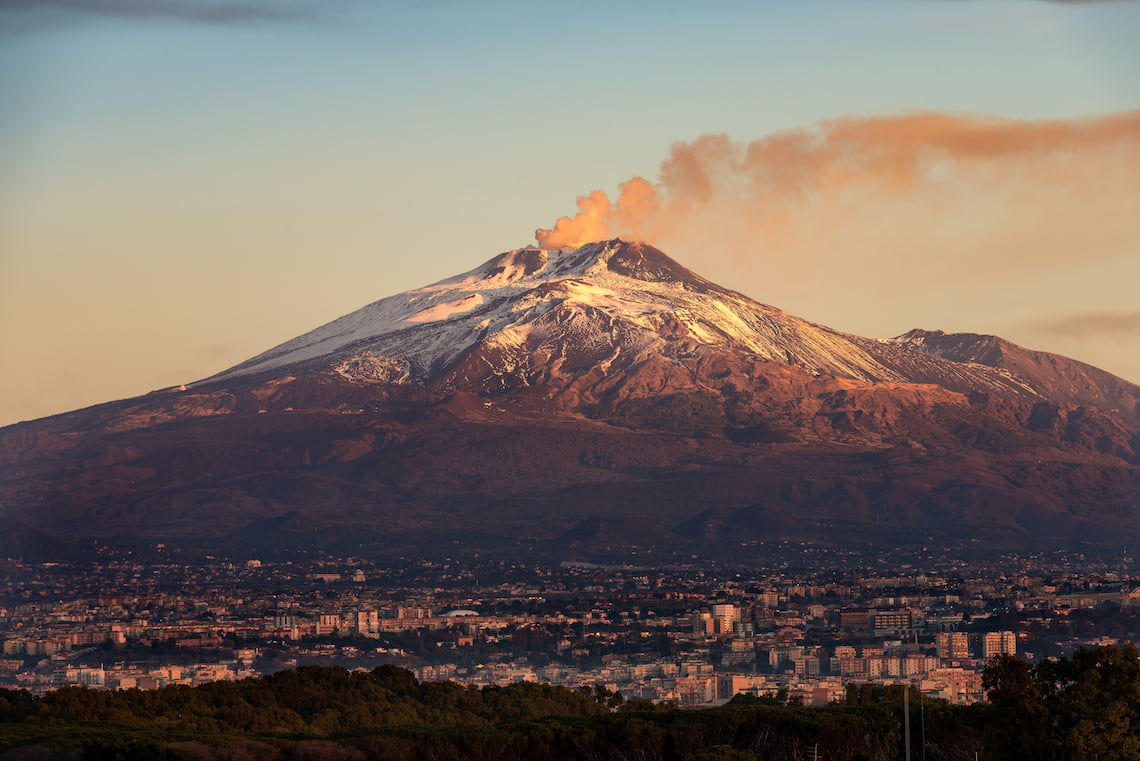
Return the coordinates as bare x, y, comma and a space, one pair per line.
1078, 709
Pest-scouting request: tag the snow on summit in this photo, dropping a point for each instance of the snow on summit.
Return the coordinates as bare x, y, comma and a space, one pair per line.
629, 298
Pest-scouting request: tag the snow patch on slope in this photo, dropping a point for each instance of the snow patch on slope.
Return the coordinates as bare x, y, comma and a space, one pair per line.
447, 309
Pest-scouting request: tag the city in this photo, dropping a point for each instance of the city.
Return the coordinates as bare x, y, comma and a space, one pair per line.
695, 635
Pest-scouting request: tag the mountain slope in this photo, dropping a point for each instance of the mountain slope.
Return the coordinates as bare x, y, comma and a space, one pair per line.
571, 396
619, 302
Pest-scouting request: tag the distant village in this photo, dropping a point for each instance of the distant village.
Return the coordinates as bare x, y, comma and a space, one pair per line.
690, 634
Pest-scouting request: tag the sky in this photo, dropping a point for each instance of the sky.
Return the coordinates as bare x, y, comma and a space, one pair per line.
186, 183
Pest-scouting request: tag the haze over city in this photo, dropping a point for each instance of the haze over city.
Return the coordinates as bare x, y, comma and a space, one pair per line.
184, 184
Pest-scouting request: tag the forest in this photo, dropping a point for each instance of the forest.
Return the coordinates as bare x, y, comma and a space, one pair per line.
1086, 707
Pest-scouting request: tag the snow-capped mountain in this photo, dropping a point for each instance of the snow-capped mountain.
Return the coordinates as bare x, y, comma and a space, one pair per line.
622, 301
549, 316
553, 397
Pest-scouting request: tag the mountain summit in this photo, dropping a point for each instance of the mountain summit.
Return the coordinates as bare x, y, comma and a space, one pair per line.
549, 391
613, 300
425, 330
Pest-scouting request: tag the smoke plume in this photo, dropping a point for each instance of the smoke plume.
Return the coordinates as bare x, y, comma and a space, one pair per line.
872, 180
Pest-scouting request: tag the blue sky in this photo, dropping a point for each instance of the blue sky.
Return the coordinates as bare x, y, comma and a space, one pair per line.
185, 183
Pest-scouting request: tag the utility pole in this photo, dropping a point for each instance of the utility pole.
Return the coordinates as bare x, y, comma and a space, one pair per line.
922, 716
906, 722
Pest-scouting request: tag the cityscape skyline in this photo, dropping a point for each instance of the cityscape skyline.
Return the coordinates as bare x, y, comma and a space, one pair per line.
698, 634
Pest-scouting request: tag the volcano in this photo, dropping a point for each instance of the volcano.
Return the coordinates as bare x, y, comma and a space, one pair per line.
594, 402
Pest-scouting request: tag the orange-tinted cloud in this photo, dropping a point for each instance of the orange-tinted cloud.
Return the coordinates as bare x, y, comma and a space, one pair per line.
1091, 325
1007, 177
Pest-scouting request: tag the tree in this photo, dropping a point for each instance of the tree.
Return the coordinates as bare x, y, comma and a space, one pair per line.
1098, 702
1081, 709
1020, 717
723, 753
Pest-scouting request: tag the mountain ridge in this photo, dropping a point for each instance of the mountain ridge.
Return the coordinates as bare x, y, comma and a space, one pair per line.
373, 342
512, 401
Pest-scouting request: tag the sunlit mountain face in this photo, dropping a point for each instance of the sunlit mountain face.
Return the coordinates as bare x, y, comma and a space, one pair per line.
601, 401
